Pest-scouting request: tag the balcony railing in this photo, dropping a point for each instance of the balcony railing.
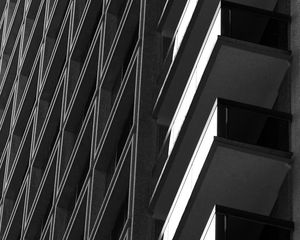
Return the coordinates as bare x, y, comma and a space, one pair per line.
226, 223
230, 20
255, 25
234, 121
253, 125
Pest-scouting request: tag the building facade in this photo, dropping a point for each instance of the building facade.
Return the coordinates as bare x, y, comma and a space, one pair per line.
155, 120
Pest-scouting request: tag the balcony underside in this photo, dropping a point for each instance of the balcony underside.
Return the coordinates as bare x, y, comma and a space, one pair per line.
233, 167
243, 72
235, 175
238, 71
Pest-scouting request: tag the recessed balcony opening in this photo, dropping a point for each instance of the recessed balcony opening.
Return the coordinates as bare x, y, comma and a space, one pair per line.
51, 5
27, 90
83, 67
9, 77
32, 8
79, 7
2, 171
47, 230
33, 30
1, 31
49, 105
121, 219
118, 131
27, 31
104, 183
42, 113
116, 98
228, 223
13, 28
35, 180
92, 16
118, 147
2, 7
10, 12
98, 193
76, 154
242, 155
117, 8
44, 155
237, 126
120, 65
18, 161
13, 216
41, 182
48, 120
4, 62
120, 33
177, 14
48, 49
112, 88
5, 125
53, 65
112, 220
56, 43
15, 143
60, 12
39, 210
114, 16
80, 113
76, 230
61, 222
254, 25
15, 181
105, 104
84, 31
72, 187
72, 134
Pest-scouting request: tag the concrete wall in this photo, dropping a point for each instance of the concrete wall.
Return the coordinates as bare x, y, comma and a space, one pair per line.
143, 224
295, 109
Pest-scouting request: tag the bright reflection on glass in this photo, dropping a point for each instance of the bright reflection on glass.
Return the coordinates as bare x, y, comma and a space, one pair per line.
195, 77
190, 177
183, 24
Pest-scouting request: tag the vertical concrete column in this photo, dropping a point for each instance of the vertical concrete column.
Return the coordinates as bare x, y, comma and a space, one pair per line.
142, 223
295, 105
283, 206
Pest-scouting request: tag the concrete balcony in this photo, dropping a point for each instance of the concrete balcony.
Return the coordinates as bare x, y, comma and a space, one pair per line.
240, 160
233, 63
228, 50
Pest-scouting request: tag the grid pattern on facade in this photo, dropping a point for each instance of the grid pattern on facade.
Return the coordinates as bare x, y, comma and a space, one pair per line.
69, 73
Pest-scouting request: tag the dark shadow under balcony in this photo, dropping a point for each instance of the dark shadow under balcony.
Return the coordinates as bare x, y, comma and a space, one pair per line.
240, 158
